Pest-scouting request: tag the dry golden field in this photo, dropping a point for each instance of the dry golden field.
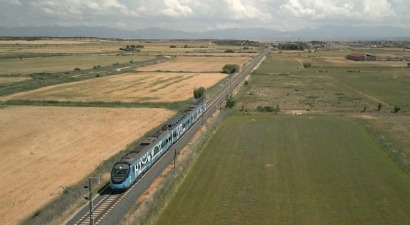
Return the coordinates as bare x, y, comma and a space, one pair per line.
5, 80
44, 148
196, 64
133, 87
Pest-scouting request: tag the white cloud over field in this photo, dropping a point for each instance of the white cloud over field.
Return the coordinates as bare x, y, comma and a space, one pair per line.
193, 15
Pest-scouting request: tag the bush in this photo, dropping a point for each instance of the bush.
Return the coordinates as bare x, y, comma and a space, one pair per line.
267, 109
379, 106
173, 46
77, 69
199, 92
307, 65
230, 68
396, 109
229, 51
230, 102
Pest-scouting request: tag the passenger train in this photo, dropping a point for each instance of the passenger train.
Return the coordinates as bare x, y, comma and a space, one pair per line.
136, 162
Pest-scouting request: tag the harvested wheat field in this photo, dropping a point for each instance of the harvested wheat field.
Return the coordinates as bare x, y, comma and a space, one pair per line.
43, 148
196, 64
134, 87
5, 80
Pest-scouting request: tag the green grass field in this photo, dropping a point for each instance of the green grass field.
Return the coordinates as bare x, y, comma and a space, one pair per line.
292, 170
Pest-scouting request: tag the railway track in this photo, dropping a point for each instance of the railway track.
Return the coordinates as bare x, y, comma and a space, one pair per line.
102, 208
105, 203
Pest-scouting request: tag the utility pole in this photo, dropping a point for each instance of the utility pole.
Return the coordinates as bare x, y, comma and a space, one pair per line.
90, 197
175, 156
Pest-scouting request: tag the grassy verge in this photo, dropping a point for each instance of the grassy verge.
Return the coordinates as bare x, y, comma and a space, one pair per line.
291, 170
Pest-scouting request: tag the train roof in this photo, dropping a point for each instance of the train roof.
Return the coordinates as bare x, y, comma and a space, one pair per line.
142, 147
147, 143
172, 123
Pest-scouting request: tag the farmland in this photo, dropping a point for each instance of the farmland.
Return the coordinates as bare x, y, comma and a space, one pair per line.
334, 153
292, 170
104, 97
196, 64
46, 148
129, 87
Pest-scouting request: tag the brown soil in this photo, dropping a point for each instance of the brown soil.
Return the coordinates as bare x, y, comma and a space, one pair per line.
45, 148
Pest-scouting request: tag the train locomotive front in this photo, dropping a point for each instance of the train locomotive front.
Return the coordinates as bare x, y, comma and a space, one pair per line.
120, 176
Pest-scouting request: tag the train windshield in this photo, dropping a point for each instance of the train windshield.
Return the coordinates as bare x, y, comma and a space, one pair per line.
120, 172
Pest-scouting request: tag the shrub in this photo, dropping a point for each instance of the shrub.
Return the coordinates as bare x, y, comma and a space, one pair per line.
267, 109
229, 51
77, 69
199, 92
307, 65
379, 106
230, 102
396, 109
230, 68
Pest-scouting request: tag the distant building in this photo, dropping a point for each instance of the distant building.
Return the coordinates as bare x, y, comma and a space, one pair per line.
361, 57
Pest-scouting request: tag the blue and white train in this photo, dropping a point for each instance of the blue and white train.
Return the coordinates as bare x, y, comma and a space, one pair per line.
136, 162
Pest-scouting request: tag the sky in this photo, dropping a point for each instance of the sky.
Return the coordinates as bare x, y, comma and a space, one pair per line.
204, 15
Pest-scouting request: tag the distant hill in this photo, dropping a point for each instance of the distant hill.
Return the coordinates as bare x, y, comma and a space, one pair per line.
328, 32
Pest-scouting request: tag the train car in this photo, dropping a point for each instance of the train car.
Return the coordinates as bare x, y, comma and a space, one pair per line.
136, 162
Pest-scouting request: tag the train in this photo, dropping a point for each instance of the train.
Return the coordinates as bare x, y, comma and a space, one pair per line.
131, 167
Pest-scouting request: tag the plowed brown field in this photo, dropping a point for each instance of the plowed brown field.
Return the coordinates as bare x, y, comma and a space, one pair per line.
43, 148
135, 87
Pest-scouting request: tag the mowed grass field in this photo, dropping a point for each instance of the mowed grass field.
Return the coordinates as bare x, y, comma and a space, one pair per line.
292, 170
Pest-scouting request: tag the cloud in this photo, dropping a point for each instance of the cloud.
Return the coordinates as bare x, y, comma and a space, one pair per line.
174, 8
15, 2
238, 10
193, 15
365, 10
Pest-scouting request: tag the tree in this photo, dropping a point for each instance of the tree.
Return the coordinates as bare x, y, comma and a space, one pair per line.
199, 92
396, 109
230, 68
307, 65
379, 106
230, 102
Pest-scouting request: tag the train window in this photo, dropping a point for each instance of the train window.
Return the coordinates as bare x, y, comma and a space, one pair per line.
156, 150
164, 143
